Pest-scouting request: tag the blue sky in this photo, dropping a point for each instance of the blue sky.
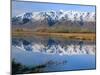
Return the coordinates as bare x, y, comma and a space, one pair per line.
21, 7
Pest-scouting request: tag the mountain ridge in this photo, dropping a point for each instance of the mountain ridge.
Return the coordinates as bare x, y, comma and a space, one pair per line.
56, 19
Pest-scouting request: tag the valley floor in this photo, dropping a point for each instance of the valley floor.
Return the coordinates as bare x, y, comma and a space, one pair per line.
79, 36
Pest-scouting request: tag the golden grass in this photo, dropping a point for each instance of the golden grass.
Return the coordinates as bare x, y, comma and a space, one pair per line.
80, 36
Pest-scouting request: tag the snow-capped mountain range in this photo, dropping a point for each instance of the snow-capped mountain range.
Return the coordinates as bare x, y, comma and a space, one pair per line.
53, 17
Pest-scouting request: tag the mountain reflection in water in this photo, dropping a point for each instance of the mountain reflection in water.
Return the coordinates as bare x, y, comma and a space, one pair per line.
50, 45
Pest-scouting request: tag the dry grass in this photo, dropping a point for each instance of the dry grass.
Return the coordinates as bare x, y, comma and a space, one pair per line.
80, 36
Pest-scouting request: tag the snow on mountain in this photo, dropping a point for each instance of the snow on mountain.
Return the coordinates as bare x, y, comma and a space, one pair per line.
55, 16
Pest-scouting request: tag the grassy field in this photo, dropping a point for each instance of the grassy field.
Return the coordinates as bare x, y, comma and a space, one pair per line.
80, 36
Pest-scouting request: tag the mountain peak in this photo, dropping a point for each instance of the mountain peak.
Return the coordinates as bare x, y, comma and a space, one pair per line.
53, 16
